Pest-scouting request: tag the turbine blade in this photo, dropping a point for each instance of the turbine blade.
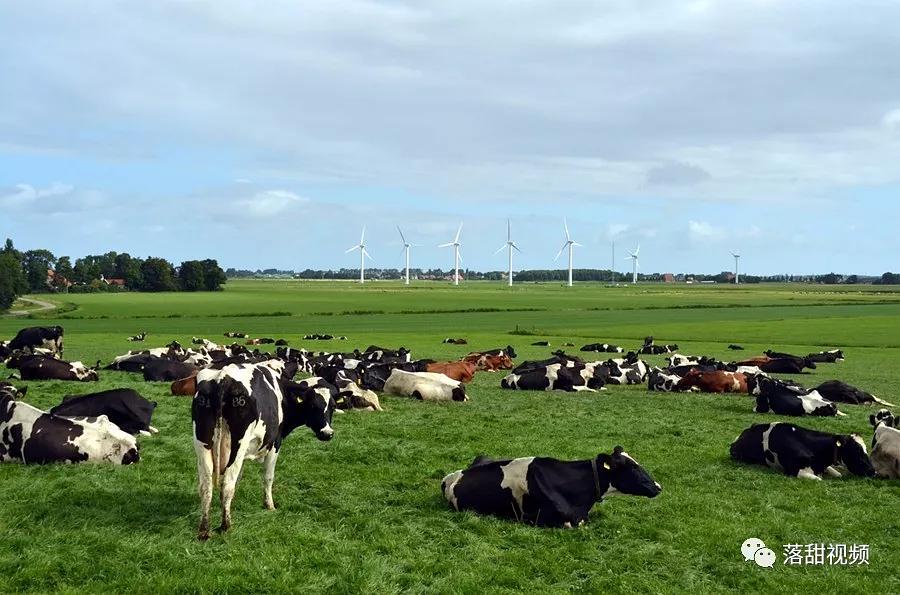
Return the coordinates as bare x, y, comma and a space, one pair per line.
638, 251
508, 231
500, 249
362, 237
401, 234
447, 245
513, 244
456, 239
564, 246
577, 244
367, 255
348, 250
566, 225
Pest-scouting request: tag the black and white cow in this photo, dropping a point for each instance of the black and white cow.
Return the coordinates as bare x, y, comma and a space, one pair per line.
826, 357
138, 337
783, 399
425, 386
800, 452
627, 370
841, 392
346, 393
734, 347
159, 369
245, 411
602, 347
380, 354
785, 363
47, 337
509, 351
34, 437
886, 444
664, 381
39, 367
658, 349
559, 357
579, 377
122, 406
543, 491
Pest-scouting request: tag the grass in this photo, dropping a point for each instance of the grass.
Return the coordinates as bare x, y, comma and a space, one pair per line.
364, 512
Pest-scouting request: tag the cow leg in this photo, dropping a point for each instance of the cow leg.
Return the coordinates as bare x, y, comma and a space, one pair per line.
229, 483
807, 473
833, 472
269, 478
205, 486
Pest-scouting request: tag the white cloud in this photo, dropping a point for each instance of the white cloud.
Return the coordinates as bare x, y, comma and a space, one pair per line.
702, 231
891, 120
268, 204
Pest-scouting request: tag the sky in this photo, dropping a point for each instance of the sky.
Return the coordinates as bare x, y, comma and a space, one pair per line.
268, 134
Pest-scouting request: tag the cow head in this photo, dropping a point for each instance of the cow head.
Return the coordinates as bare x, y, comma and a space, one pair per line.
312, 407
510, 351
851, 452
626, 476
808, 363
884, 416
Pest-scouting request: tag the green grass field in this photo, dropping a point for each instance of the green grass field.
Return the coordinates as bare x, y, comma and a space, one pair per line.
364, 513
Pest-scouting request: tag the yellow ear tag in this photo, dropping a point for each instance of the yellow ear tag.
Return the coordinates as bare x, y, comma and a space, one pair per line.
838, 443
606, 466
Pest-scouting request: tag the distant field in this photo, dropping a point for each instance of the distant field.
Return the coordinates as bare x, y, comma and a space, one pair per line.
364, 512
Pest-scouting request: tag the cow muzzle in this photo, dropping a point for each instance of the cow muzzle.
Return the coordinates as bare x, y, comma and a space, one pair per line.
325, 434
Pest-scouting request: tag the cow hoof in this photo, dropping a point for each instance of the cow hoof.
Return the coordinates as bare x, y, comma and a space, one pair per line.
271, 506
203, 536
223, 528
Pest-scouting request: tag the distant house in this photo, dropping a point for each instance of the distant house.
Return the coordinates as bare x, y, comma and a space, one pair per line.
55, 281
668, 278
729, 276
113, 281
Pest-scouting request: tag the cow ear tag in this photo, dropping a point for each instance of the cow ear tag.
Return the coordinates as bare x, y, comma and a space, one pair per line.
838, 443
606, 466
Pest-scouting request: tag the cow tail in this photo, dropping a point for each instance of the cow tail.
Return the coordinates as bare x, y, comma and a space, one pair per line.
221, 446
880, 402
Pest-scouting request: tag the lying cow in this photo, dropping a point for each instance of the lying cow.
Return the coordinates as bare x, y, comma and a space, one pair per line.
554, 377
245, 411
627, 370
138, 337
841, 392
718, 381
800, 452
39, 367
122, 406
46, 337
184, 387
34, 437
462, 371
234, 335
543, 491
455, 341
734, 347
425, 386
165, 370
487, 362
658, 349
347, 394
886, 444
779, 365
784, 399
602, 348
663, 381
827, 357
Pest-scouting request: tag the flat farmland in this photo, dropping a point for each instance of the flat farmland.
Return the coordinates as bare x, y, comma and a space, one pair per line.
364, 512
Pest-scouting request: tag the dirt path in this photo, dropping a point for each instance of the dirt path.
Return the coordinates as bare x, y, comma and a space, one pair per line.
41, 307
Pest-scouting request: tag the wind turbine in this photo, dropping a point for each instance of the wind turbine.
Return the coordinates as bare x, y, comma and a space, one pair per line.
634, 263
570, 243
406, 247
455, 244
509, 245
737, 278
362, 255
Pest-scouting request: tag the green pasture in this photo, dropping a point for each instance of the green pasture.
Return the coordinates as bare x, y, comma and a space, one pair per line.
363, 513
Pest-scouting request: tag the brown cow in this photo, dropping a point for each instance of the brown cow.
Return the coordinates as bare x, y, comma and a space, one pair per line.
186, 387
463, 370
718, 381
488, 362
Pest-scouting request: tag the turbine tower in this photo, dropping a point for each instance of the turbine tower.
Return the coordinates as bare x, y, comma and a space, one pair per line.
362, 255
570, 244
406, 247
509, 245
737, 278
455, 244
634, 263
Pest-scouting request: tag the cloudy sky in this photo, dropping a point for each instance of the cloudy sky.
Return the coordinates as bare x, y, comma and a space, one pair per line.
268, 134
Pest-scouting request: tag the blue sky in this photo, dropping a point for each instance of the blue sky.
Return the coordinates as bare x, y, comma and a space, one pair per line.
270, 136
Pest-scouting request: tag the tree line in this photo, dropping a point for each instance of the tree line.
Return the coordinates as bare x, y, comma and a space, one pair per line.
27, 272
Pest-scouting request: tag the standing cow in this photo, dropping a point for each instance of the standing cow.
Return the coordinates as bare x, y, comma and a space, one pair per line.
46, 337
244, 410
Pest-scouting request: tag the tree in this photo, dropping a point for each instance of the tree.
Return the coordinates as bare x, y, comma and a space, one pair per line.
889, 279
852, 280
64, 273
190, 275
158, 274
129, 268
12, 280
213, 275
36, 263
86, 269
